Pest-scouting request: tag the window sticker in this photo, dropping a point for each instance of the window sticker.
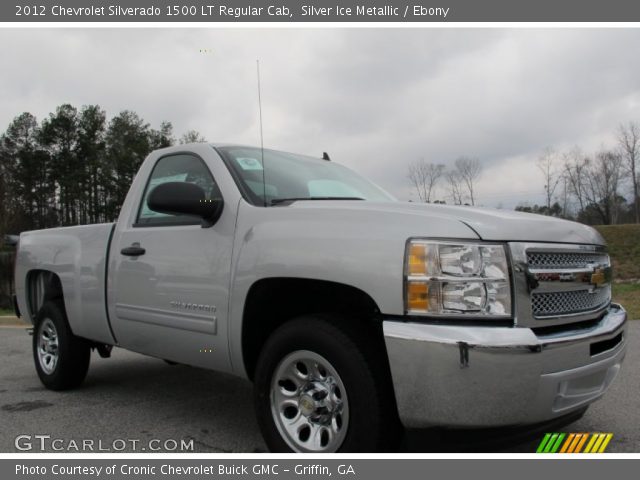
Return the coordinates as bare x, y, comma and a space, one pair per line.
248, 163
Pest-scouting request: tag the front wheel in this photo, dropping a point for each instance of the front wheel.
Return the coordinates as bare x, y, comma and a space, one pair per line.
61, 358
321, 385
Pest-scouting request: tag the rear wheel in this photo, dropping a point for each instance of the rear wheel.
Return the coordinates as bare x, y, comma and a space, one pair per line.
321, 385
61, 358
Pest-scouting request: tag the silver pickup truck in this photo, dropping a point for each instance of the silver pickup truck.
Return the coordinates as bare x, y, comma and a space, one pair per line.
352, 313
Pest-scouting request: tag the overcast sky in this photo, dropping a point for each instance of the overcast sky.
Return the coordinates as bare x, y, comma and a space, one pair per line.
375, 99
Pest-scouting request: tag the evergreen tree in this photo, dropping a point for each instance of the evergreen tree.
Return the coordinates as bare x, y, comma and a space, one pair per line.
91, 153
163, 137
28, 190
59, 136
127, 145
192, 136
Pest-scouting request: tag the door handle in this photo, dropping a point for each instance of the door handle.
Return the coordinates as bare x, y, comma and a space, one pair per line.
134, 250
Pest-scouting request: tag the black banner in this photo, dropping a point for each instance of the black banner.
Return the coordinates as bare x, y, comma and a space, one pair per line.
313, 467
320, 11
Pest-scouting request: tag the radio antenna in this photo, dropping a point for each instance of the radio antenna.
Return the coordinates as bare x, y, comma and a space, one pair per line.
264, 184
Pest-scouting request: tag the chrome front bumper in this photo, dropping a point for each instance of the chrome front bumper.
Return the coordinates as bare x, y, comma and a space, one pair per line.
464, 376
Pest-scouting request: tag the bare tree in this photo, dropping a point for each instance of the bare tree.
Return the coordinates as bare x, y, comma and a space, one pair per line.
602, 180
575, 172
547, 164
468, 171
455, 187
424, 177
629, 142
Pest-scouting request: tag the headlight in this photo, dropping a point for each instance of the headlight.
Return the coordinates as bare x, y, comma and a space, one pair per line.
457, 278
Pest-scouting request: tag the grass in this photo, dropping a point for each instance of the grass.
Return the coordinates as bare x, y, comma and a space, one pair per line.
8, 318
12, 322
624, 248
628, 295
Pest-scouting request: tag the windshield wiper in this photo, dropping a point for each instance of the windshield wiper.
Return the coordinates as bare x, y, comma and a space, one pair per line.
280, 201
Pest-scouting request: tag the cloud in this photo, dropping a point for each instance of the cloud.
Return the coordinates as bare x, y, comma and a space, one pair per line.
375, 99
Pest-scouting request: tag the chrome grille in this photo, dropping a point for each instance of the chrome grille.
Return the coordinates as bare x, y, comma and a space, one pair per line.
565, 260
559, 283
551, 304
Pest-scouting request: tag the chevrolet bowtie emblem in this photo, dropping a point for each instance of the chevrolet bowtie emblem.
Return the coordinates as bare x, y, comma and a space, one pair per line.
598, 277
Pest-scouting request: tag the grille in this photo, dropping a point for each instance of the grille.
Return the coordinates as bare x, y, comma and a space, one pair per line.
563, 303
565, 260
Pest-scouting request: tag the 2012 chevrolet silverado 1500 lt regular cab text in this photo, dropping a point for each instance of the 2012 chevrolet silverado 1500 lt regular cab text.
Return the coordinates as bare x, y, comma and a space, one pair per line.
352, 313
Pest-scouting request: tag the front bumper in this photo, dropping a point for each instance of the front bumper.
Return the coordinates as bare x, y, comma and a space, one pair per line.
463, 376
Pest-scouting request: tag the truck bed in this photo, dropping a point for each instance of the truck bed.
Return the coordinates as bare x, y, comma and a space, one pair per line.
78, 255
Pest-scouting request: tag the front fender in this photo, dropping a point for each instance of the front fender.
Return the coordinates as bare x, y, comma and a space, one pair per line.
361, 249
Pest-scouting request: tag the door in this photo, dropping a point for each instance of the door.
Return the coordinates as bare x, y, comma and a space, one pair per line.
170, 278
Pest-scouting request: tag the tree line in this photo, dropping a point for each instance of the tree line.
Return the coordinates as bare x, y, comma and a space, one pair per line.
73, 167
460, 180
593, 188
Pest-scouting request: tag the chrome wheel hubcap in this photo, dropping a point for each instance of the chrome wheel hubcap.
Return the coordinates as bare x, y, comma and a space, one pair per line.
309, 403
48, 346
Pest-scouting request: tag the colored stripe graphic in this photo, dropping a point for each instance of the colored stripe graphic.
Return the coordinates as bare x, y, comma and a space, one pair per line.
581, 443
605, 442
550, 443
574, 443
568, 442
543, 443
556, 446
591, 443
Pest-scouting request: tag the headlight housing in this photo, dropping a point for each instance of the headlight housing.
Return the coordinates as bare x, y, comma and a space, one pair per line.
457, 279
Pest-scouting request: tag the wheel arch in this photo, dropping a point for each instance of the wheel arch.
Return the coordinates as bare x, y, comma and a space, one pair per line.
270, 302
42, 286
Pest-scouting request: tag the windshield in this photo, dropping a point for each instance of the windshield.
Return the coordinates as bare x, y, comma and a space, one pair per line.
295, 177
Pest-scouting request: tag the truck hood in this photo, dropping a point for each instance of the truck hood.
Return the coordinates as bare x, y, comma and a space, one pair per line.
488, 223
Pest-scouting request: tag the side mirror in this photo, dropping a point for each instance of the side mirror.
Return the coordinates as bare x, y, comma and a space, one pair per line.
182, 198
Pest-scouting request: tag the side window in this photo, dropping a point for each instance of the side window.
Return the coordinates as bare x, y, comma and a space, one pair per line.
176, 168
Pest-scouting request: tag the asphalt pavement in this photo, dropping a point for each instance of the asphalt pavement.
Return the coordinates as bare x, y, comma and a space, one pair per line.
135, 402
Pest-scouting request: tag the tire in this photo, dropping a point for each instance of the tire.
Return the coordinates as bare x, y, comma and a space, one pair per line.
322, 384
61, 358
